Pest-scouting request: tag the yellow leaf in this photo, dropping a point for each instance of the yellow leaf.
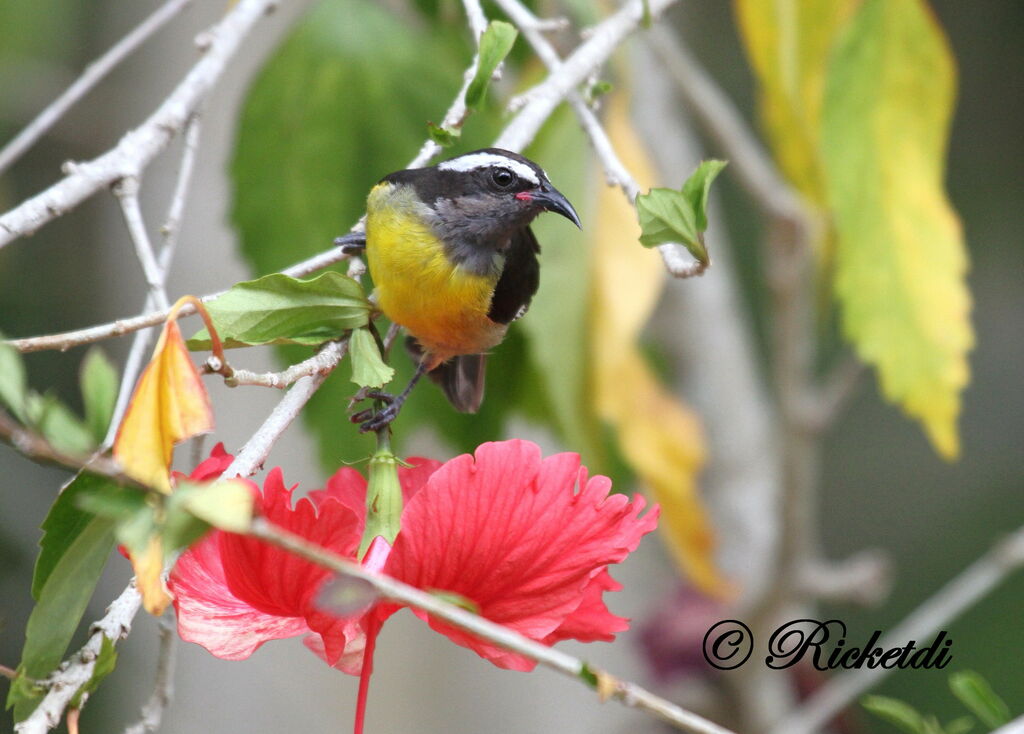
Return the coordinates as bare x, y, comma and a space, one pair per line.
149, 567
659, 437
168, 406
789, 43
901, 261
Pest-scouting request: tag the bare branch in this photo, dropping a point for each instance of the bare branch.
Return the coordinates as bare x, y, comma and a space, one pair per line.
140, 146
163, 688
320, 363
629, 694
169, 231
127, 192
965, 590
66, 681
92, 75
37, 448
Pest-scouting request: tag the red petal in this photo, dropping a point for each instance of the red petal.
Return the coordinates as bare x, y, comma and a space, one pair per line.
214, 466
510, 533
271, 579
210, 615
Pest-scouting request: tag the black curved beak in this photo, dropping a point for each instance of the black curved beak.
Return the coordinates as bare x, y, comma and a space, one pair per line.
552, 200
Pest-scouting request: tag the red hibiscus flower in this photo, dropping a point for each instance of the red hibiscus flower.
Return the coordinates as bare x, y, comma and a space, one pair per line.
525, 540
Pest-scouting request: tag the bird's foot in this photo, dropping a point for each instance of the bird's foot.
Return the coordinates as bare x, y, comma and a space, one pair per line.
371, 419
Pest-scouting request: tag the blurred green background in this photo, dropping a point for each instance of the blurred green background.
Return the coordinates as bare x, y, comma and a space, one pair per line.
882, 485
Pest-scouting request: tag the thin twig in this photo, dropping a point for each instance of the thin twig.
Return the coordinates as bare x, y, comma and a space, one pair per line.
66, 681
172, 224
37, 448
629, 694
959, 594
163, 688
127, 192
140, 146
92, 75
320, 363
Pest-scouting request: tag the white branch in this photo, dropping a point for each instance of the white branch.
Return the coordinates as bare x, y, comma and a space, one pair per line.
140, 146
320, 363
92, 75
965, 590
629, 694
64, 683
127, 192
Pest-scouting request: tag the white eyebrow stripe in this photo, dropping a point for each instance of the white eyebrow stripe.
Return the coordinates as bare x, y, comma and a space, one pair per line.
486, 160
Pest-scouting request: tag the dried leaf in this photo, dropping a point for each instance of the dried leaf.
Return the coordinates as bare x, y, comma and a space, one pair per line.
659, 437
168, 406
148, 565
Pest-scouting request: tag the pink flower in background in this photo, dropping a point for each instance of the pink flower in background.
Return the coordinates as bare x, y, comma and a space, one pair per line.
525, 540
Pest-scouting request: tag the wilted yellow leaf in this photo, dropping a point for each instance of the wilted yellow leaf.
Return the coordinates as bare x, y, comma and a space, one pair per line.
659, 437
901, 262
789, 43
149, 567
169, 405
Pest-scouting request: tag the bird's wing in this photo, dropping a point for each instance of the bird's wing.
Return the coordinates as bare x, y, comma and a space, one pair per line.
519, 279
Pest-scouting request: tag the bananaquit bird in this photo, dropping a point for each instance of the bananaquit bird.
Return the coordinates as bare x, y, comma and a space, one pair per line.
454, 261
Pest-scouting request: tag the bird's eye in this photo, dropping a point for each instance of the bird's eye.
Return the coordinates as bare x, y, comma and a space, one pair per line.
503, 178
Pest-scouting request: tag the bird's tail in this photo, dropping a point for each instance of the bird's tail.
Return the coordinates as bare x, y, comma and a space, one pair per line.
461, 378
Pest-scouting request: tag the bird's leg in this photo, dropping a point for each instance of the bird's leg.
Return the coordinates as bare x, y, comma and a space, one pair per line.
374, 421
351, 244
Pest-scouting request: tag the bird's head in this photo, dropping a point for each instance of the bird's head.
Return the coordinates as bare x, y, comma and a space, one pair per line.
481, 198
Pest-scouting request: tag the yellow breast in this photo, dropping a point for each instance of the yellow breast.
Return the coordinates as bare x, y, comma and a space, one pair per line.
439, 303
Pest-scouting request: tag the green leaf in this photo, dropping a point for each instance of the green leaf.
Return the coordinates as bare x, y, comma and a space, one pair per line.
13, 381
443, 136
896, 712
679, 216
977, 695
66, 520
495, 43
99, 385
58, 425
226, 504
62, 602
368, 368
106, 661
276, 309
901, 262
697, 187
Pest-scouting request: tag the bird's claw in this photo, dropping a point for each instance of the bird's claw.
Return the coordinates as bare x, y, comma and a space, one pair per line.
379, 420
371, 419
